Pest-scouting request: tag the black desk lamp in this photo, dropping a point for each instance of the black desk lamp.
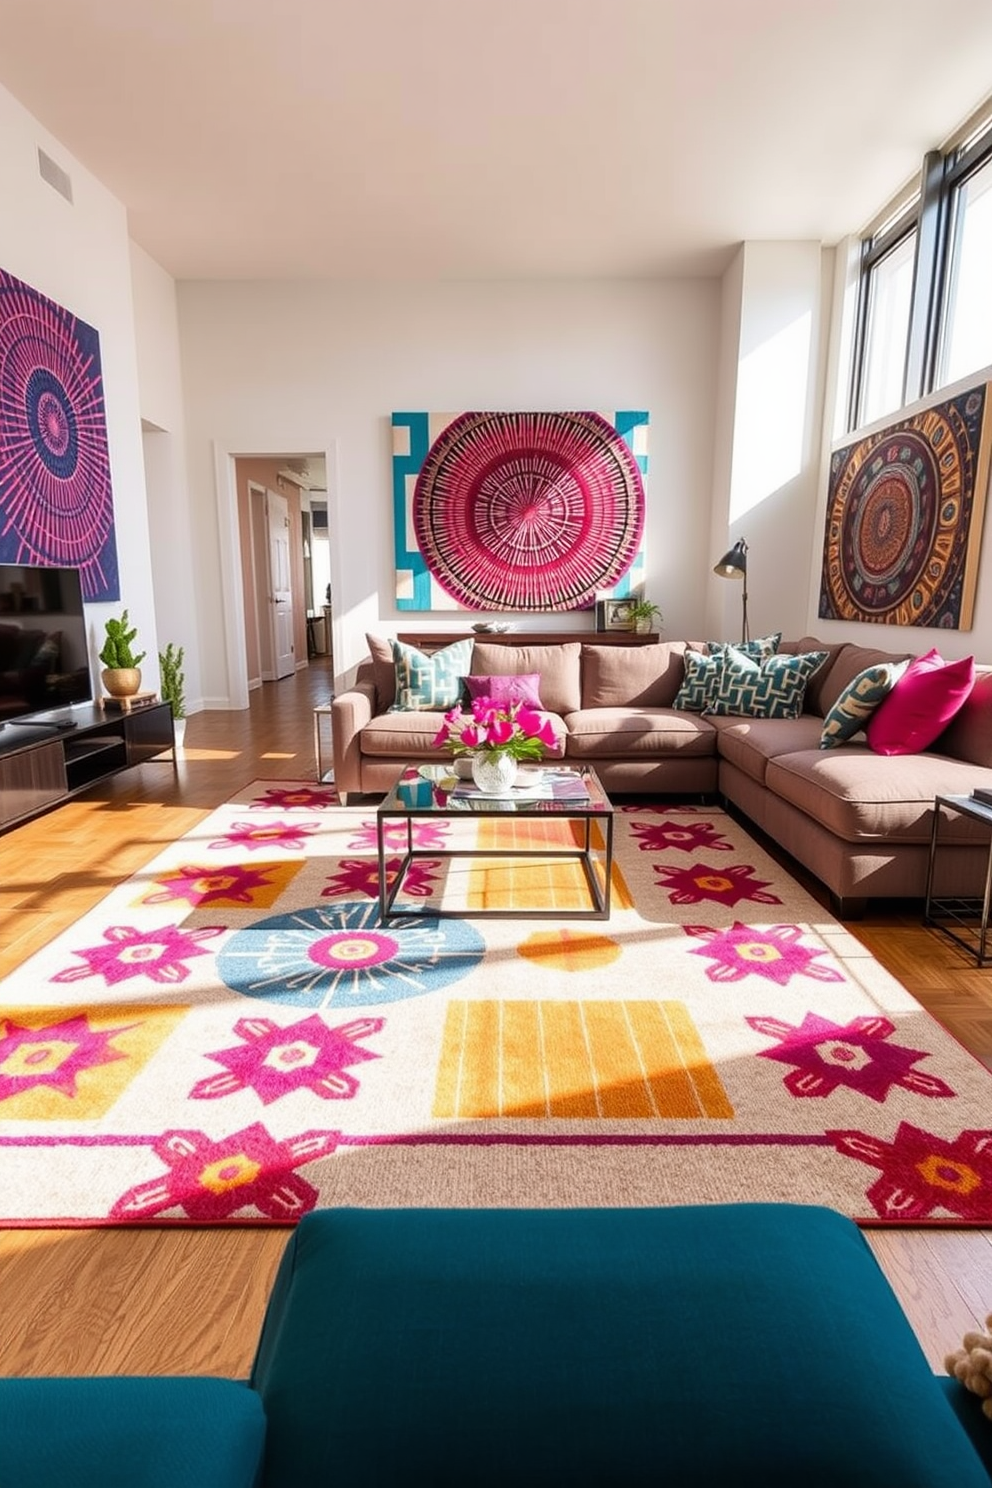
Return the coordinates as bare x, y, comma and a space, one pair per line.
733, 565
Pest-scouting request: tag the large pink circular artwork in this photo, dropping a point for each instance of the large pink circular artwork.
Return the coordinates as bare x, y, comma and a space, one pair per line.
528, 511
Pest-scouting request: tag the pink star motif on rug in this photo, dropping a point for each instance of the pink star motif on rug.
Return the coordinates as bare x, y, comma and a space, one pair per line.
200, 884
295, 798
361, 876
775, 954
54, 1055
922, 1172
702, 882
159, 954
424, 834
684, 836
857, 1055
211, 1180
267, 834
274, 1061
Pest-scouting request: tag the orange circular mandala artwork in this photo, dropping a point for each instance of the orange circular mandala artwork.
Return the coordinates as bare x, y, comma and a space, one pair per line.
899, 516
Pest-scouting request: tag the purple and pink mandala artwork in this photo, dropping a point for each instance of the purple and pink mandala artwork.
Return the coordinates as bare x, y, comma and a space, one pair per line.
56, 504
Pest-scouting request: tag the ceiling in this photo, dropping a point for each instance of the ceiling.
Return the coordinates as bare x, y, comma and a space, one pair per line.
492, 139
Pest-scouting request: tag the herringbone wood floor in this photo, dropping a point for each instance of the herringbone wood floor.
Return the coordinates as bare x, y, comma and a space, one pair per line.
190, 1300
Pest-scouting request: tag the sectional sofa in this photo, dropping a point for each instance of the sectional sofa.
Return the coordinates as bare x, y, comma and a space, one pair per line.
858, 820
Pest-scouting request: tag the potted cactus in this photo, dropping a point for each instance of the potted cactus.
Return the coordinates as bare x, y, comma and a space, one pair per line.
170, 665
121, 667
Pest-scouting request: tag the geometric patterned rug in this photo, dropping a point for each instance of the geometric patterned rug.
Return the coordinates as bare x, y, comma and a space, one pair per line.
231, 1036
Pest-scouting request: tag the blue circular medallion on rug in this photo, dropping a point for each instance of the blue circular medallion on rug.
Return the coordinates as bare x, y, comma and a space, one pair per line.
341, 956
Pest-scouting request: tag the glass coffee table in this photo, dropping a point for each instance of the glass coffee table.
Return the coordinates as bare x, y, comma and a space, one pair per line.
432, 792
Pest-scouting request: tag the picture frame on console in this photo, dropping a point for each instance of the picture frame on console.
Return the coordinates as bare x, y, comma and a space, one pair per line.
614, 614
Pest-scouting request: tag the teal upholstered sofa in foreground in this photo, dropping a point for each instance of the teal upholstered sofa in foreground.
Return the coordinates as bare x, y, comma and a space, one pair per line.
746, 1344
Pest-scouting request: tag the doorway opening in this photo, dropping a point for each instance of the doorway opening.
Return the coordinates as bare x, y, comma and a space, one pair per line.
282, 559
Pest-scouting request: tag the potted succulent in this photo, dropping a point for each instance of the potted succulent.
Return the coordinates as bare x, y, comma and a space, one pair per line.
643, 615
121, 667
170, 665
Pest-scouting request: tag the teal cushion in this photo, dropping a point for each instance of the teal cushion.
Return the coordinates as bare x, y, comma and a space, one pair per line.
701, 676
968, 1409
130, 1433
757, 649
431, 682
773, 688
721, 1344
858, 702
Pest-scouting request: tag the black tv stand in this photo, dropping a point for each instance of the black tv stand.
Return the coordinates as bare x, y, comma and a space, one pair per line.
39, 772
61, 725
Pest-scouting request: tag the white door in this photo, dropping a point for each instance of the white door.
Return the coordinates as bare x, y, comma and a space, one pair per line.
280, 592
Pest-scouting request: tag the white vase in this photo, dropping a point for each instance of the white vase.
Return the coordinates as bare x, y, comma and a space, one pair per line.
179, 726
494, 774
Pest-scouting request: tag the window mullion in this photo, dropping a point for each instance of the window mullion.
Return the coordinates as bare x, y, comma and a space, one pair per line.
921, 354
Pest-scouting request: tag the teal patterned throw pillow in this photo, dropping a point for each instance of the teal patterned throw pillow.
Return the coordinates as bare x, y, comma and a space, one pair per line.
757, 649
701, 676
858, 702
430, 683
772, 688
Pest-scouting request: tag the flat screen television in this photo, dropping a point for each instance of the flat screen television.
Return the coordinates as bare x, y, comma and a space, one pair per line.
44, 660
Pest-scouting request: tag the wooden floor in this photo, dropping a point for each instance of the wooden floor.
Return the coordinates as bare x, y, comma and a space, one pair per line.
185, 1301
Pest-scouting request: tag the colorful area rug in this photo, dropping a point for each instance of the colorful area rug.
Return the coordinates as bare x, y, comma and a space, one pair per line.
233, 1037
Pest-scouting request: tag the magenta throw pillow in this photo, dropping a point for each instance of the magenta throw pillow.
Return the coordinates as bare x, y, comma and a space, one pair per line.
921, 705
508, 689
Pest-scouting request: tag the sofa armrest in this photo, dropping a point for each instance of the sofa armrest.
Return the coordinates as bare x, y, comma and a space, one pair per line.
350, 712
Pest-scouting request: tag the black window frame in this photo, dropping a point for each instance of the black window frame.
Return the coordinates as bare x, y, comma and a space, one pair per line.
931, 215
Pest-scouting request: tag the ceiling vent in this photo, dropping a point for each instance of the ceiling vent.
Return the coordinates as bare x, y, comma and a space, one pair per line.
54, 175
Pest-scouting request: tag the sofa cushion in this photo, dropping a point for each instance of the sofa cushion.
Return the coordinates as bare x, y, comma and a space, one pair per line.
749, 743
757, 649
410, 736
856, 704
557, 664
772, 688
575, 1346
612, 733
921, 705
702, 673
625, 676
506, 690
430, 682
811, 702
135, 1432
383, 670
854, 796
969, 735
840, 670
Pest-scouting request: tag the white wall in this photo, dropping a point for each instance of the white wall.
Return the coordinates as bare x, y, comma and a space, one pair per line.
77, 255
775, 300
296, 367
160, 392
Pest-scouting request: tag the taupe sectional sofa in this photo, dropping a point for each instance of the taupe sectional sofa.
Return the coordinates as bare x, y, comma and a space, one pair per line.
859, 821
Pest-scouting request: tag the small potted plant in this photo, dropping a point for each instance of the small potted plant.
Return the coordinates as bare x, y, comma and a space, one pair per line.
170, 665
643, 615
121, 667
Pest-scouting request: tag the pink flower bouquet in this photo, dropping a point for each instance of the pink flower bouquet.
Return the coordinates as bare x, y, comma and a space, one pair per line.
492, 729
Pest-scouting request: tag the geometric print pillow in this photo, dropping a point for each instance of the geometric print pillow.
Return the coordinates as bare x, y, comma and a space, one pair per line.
701, 676
757, 649
432, 683
773, 688
858, 702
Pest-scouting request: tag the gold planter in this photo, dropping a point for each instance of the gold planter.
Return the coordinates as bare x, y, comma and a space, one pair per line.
121, 682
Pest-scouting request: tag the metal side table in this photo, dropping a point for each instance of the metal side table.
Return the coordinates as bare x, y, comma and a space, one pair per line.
969, 916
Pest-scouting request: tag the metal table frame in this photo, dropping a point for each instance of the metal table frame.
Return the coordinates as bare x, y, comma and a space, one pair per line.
971, 915
598, 808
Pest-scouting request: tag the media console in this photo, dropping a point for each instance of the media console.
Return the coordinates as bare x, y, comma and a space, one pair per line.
43, 763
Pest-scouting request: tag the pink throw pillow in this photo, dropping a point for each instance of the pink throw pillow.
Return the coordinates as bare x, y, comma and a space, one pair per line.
921, 705
508, 689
